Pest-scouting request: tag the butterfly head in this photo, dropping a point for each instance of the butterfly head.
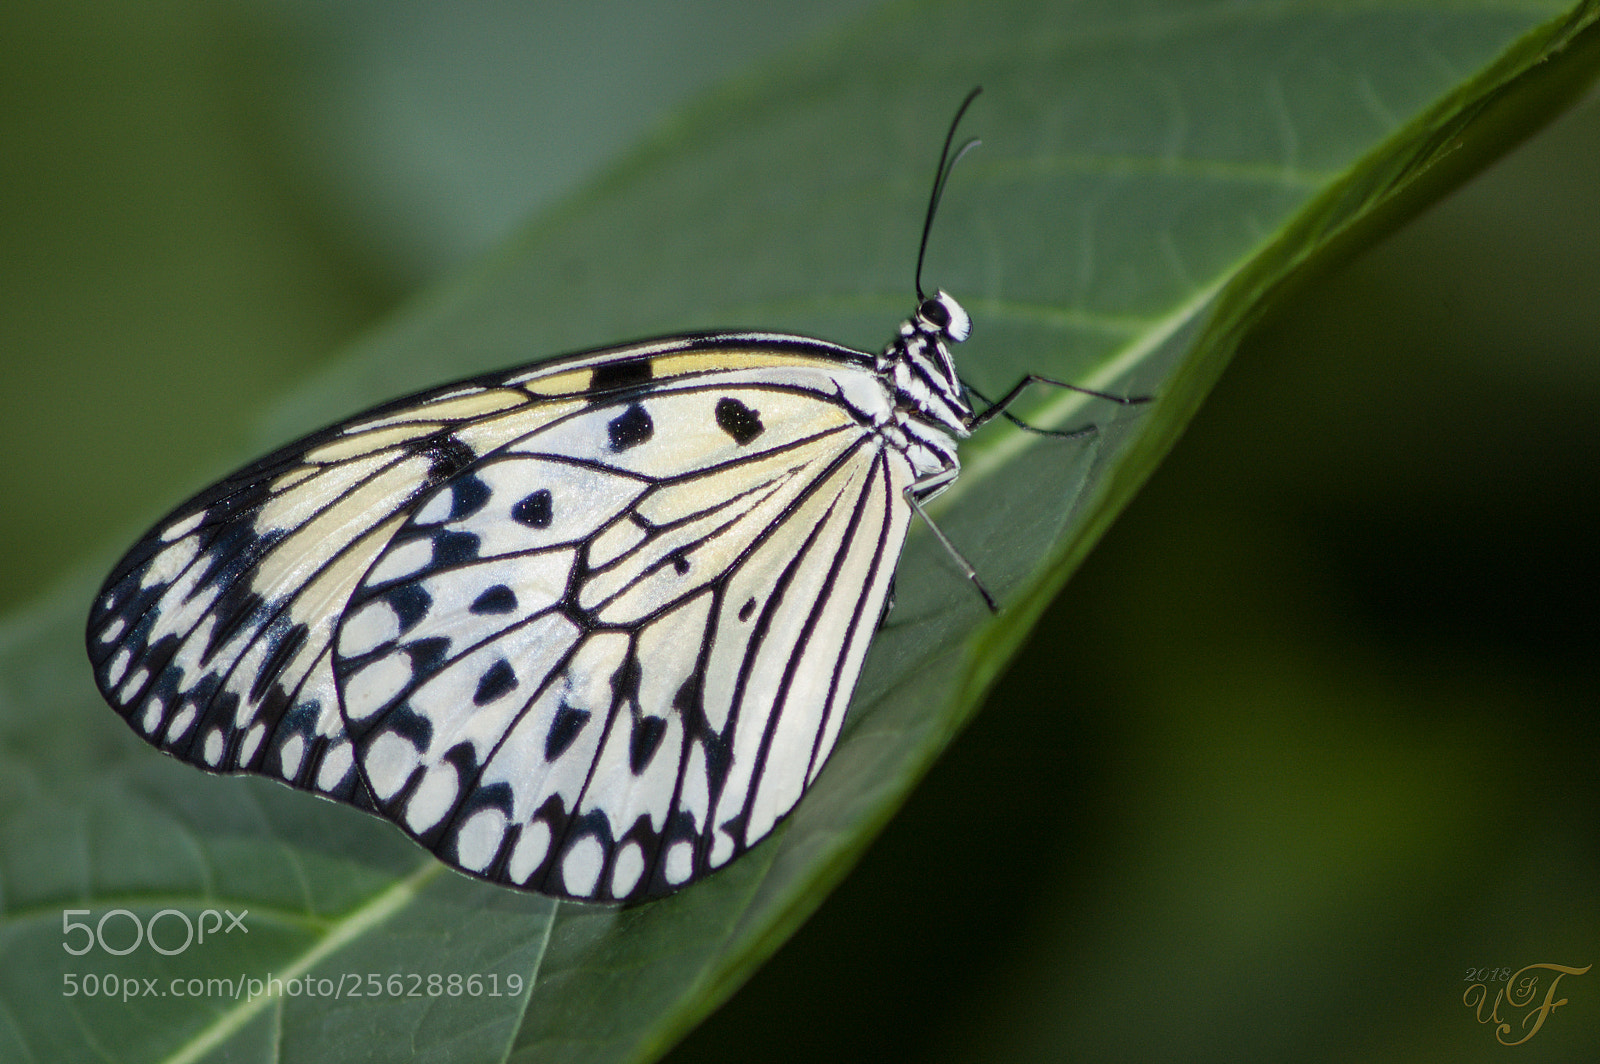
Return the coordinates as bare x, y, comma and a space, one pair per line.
942, 317
919, 369
939, 321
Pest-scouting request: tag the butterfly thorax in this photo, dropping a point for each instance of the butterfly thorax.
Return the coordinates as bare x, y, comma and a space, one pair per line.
930, 406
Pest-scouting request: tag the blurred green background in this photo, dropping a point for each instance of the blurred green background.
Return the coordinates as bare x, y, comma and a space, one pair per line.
1328, 735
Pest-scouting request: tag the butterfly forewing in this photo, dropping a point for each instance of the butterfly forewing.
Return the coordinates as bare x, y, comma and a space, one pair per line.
588, 628
212, 635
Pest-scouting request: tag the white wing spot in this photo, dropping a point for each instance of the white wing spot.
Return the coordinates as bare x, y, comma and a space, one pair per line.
290, 755
135, 682
336, 765
180, 724
112, 630
164, 567
680, 863
581, 867
252, 740
184, 527
530, 852
118, 666
435, 512
479, 839
373, 625
152, 716
721, 848
401, 561
627, 870
389, 763
433, 797
213, 753
376, 685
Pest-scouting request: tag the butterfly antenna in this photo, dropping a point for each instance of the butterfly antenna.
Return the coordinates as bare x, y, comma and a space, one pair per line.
940, 176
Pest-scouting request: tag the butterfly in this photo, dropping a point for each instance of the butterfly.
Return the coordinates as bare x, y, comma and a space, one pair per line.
587, 627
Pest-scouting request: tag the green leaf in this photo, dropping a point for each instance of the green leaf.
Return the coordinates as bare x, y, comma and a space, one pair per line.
1151, 180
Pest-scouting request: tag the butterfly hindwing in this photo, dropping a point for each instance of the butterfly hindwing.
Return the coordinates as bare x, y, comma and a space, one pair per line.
573, 664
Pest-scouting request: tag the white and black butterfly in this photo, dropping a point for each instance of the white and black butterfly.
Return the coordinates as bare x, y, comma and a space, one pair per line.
587, 627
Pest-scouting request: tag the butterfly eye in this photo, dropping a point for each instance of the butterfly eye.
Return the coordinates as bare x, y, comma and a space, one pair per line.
946, 315
934, 313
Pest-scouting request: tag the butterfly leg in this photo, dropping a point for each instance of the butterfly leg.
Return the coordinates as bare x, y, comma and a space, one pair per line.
998, 408
888, 602
925, 488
